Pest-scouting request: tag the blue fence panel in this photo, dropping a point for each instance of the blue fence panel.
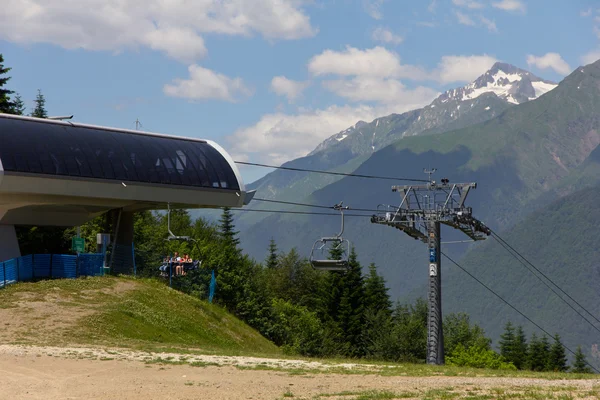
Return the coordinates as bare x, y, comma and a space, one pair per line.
64, 266
90, 264
42, 264
25, 266
10, 271
2, 274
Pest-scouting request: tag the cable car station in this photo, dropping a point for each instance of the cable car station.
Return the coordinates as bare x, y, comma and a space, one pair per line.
57, 173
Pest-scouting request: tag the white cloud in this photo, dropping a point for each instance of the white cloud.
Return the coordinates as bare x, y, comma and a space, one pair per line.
174, 27
462, 68
279, 137
204, 84
426, 24
510, 5
489, 24
586, 13
432, 6
388, 91
468, 4
464, 19
373, 8
384, 35
287, 87
591, 57
377, 61
550, 60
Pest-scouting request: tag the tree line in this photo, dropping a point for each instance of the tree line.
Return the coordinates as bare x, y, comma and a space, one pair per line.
538, 354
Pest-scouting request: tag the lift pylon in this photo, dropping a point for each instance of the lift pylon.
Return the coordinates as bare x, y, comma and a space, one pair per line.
422, 210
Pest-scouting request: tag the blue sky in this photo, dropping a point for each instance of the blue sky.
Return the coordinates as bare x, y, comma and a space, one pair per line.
270, 79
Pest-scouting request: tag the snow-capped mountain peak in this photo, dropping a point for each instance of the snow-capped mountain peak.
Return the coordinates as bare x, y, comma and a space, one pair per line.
498, 89
506, 81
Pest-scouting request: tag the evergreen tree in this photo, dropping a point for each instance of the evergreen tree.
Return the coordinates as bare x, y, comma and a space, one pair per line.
580, 365
538, 353
557, 360
18, 105
376, 293
272, 260
40, 106
507, 342
6, 106
227, 226
231, 271
519, 356
351, 309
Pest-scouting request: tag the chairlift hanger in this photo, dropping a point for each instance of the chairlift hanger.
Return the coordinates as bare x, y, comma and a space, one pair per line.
329, 244
172, 236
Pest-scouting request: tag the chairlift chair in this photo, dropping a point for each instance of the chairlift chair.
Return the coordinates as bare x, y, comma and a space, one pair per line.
324, 246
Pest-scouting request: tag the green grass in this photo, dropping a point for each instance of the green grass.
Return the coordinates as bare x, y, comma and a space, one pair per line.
143, 315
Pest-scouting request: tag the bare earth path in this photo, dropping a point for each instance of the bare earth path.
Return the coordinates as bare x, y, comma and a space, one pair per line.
53, 373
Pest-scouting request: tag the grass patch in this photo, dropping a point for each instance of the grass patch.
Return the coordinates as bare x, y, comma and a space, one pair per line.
371, 394
141, 314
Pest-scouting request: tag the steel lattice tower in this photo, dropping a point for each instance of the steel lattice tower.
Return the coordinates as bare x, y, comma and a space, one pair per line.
422, 210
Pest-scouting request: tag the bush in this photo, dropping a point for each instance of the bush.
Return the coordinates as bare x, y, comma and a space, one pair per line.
478, 357
296, 329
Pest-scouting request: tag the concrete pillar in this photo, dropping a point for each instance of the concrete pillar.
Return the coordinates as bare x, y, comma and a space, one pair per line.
125, 232
9, 245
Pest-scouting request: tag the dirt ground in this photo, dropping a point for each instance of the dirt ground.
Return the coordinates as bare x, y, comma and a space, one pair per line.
53, 373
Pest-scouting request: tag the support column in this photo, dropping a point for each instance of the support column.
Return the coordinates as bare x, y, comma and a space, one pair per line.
435, 334
122, 254
9, 245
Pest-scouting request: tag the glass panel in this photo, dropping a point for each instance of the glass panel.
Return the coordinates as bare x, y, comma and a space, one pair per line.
37, 147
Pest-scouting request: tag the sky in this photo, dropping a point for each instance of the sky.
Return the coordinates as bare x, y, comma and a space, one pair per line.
270, 79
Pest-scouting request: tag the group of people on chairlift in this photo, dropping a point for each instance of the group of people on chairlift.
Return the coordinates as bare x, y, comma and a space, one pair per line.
178, 262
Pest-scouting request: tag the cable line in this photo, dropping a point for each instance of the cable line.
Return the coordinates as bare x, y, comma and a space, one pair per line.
297, 212
510, 305
316, 171
520, 258
309, 205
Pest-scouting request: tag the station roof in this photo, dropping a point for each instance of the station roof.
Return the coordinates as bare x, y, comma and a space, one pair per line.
42, 147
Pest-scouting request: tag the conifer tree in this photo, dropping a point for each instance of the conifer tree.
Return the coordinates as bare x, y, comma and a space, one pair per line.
272, 259
580, 365
230, 272
507, 342
538, 353
6, 106
18, 105
519, 356
227, 226
557, 360
376, 293
40, 106
351, 310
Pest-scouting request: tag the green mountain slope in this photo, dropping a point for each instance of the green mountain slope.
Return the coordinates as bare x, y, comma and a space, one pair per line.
562, 240
518, 159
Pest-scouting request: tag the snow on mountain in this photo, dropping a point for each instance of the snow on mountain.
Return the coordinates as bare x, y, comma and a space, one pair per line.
506, 81
502, 86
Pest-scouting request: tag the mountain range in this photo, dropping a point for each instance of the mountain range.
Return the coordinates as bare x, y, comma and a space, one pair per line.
531, 154
488, 96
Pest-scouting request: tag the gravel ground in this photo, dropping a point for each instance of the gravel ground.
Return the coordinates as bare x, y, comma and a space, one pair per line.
87, 373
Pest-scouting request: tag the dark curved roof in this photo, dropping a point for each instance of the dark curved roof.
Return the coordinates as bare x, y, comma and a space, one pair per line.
56, 148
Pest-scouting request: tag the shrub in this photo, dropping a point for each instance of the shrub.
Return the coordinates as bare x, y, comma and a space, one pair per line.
478, 357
